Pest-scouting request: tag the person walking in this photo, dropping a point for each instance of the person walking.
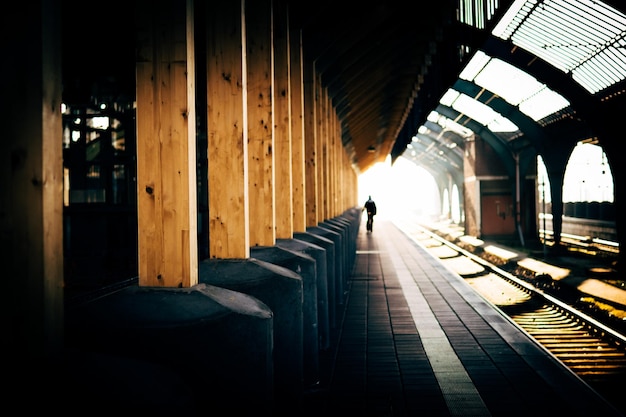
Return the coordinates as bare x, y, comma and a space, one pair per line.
370, 207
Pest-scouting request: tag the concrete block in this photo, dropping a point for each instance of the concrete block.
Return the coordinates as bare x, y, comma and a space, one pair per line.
282, 291
205, 343
319, 256
329, 247
303, 265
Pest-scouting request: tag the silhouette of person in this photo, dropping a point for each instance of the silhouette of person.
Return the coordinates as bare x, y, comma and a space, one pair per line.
370, 207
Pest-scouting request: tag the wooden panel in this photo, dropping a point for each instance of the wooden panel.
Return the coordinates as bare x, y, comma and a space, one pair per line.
189, 236
332, 162
319, 147
48, 167
260, 122
350, 182
166, 163
227, 153
322, 143
310, 143
31, 186
297, 133
282, 123
149, 224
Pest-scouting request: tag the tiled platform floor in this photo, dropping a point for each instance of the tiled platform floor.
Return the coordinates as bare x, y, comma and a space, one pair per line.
416, 340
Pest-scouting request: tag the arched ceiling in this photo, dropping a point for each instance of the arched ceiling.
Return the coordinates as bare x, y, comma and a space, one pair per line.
374, 59
386, 66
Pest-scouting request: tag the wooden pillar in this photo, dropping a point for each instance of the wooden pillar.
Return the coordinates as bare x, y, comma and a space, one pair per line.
319, 149
229, 233
343, 184
327, 172
322, 150
342, 188
350, 181
297, 131
335, 178
31, 185
310, 143
330, 186
341, 160
330, 171
260, 122
166, 135
282, 123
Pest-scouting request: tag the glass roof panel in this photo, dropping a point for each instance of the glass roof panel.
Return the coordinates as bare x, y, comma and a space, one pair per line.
475, 65
507, 81
449, 97
543, 103
483, 114
449, 124
515, 86
584, 38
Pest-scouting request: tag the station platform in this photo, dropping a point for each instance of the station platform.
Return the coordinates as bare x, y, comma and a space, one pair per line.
415, 339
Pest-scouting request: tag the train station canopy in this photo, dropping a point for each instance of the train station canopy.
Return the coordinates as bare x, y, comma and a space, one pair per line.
584, 40
417, 83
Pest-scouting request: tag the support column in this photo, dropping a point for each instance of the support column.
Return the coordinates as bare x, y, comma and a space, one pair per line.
31, 187
166, 137
471, 194
322, 144
260, 103
297, 131
310, 143
241, 181
229, 229
336, 151
282, 123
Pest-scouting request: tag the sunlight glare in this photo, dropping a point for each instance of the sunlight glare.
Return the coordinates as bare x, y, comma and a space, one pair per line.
399, 188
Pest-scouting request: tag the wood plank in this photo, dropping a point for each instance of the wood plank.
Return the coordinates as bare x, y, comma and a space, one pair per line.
334, 165
166, 163
282, 124
322, 151
51, 188
31, 187
297, 132
260, 122
310, 143
227, 133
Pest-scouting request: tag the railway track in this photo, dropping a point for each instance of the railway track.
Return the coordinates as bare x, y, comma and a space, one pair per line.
590, 348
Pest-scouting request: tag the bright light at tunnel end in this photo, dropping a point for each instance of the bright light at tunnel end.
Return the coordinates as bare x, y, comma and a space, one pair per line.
400, 188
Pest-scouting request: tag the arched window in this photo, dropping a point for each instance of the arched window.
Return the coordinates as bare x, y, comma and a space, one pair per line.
587, 175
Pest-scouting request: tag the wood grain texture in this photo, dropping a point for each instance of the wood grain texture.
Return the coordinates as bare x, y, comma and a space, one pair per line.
227, 133
166, 201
